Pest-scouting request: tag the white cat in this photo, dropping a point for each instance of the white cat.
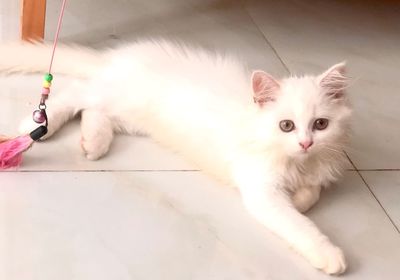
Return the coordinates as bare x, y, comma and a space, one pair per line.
278, 141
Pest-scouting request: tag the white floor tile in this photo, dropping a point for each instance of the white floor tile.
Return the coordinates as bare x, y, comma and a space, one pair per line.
172, 225
386, 187
355, 220
221, 26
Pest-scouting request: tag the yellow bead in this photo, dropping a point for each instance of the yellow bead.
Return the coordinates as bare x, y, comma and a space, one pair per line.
46, 84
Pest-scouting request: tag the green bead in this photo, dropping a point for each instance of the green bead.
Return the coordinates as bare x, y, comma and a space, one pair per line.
48, 77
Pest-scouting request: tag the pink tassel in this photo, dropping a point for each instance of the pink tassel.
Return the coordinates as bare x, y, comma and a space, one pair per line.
11, 150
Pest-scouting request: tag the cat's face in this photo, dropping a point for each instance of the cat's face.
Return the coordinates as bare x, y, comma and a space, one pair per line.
306, 115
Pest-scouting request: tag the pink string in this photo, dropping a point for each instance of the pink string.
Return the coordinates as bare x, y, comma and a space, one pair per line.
60, 18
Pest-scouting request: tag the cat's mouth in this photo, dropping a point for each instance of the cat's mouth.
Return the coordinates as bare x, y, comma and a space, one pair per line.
304, 153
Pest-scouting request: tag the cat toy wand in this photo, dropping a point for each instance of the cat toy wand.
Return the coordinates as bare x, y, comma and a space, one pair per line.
11, 149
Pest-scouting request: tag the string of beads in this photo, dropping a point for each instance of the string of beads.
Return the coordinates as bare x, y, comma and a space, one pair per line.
39, 116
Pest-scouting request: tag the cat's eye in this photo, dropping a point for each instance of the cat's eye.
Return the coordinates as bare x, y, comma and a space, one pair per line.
286, 125
321, 124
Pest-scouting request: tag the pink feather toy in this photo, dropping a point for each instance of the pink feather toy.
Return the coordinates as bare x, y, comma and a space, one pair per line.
11, 149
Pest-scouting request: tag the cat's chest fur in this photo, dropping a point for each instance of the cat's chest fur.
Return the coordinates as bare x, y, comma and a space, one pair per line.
312, 172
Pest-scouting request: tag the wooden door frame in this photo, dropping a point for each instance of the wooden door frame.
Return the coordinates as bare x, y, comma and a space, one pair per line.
33, 15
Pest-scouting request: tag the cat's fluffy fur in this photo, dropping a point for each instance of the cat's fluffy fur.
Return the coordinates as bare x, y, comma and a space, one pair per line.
211, 110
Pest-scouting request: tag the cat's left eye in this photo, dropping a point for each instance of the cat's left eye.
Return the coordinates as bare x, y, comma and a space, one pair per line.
321, 124
286, 125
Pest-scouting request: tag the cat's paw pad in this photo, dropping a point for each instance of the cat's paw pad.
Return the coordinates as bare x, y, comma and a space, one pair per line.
93, 150
329, 259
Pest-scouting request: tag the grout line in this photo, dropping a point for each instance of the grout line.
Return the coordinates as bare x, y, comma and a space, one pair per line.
267, 41
351, 162
368, 169
384, 210
373, 194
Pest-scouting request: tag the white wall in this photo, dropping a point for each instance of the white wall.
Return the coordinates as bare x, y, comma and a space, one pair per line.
9, 19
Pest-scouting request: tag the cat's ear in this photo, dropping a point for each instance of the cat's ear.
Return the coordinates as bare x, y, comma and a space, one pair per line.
334, 80
265, 87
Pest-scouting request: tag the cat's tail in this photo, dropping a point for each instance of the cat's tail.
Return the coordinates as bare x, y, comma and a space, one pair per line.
35, 58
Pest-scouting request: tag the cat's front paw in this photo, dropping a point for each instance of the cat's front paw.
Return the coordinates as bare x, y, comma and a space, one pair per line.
328, 258
27, 125
94, 150
305, 198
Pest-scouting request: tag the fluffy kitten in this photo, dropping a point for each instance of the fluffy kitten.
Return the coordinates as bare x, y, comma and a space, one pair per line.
278, 141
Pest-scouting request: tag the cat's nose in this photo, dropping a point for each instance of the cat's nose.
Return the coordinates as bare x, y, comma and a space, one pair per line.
306, 144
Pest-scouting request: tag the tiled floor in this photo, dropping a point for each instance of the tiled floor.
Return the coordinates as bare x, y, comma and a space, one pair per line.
145, 213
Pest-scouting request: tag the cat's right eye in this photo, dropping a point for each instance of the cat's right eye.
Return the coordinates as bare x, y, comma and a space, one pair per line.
286, 125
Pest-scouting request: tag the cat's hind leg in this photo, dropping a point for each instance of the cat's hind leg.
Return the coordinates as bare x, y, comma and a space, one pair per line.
97, 133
